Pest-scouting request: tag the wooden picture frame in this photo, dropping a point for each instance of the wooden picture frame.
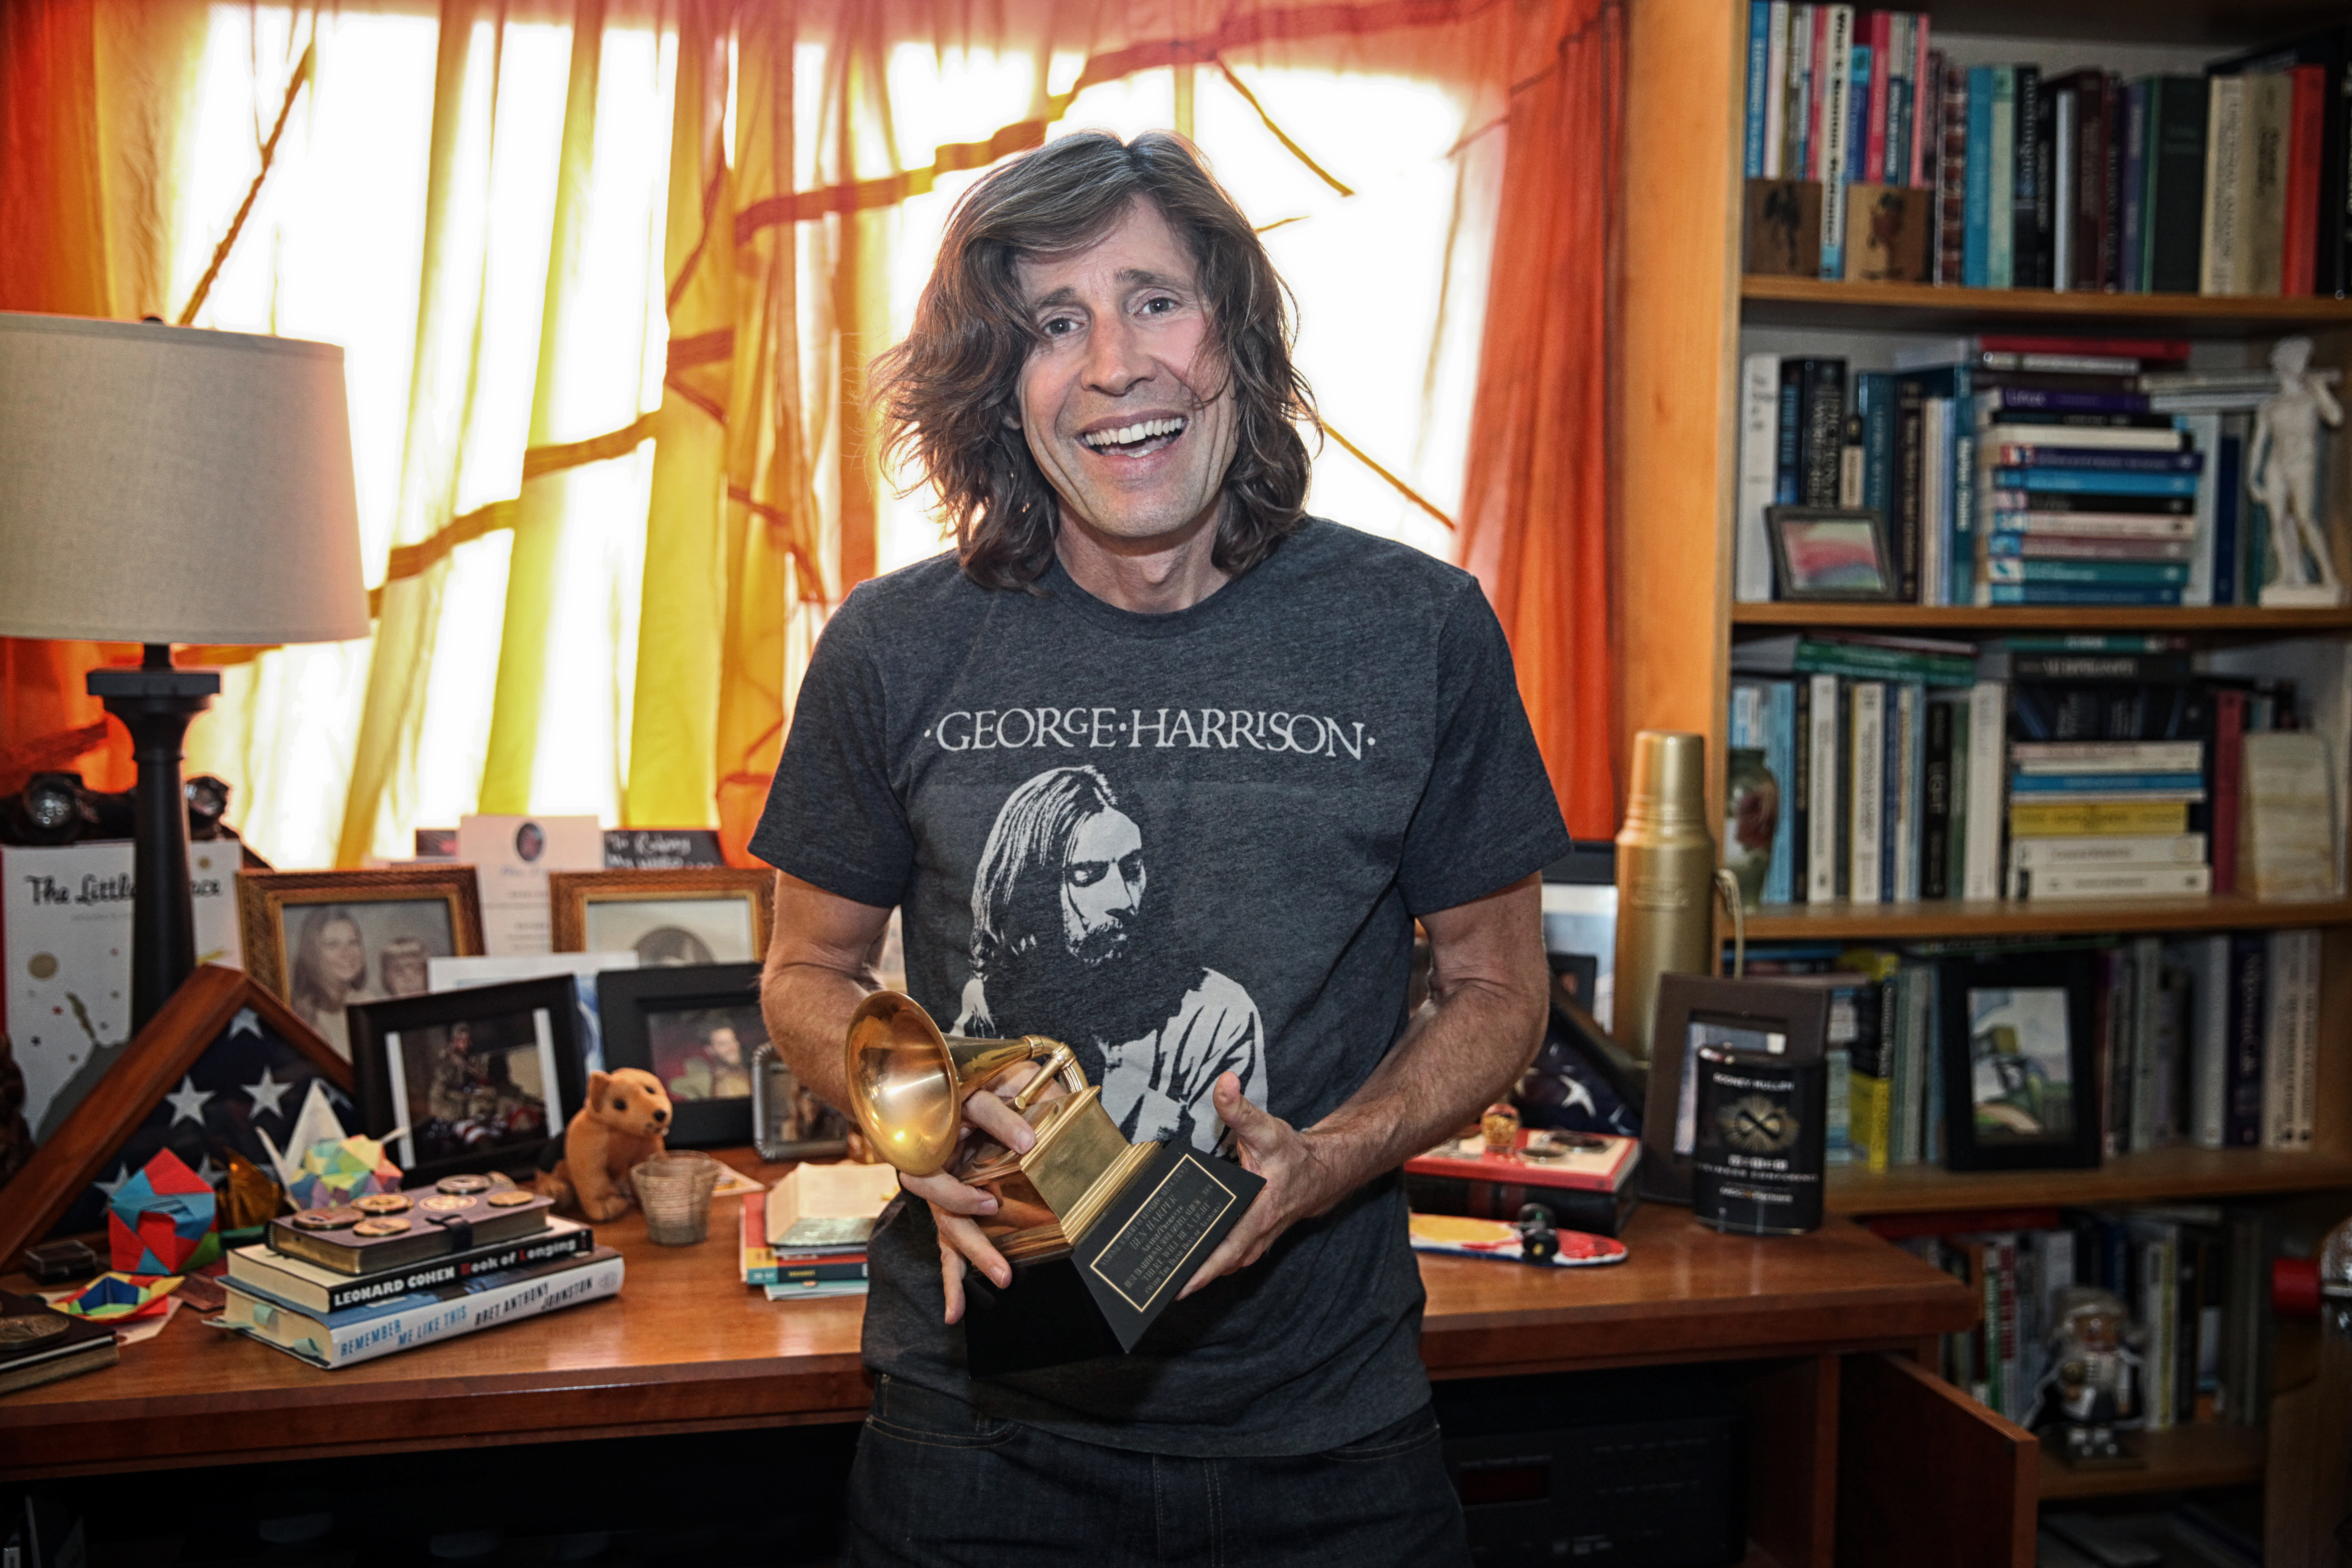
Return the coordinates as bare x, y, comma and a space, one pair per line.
393, 909
1701, 1009
400, 1047
2003, 1016
1831, 554
587, 910
661, 1020
151, 1064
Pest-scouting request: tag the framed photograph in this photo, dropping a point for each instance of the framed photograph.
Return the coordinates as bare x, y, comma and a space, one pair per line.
323, 941
698, 1029
469, 1080
2020, 1061
1830, 553
1771, 1017
789, 1122
694, 914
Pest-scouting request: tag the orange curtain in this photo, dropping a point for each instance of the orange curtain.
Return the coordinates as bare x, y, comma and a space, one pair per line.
1535, 504
52, 241
766, 486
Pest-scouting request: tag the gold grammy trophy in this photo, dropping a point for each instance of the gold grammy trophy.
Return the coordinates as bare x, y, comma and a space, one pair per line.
1084, 1216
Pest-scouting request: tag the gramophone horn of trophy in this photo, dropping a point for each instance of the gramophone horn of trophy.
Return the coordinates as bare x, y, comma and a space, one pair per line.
1102, 1232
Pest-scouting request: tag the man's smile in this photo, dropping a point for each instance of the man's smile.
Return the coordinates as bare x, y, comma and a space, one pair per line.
1135, 437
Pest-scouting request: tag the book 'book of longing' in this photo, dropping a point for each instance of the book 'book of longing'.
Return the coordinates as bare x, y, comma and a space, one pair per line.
346, 1338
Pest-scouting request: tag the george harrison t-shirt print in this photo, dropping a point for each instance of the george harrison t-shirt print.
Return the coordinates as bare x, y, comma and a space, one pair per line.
1185, 844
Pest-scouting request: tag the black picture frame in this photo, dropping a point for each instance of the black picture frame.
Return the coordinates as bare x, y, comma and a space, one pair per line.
1723, 1009
1808, 586
396, 1094
639, 1008
1984, 1132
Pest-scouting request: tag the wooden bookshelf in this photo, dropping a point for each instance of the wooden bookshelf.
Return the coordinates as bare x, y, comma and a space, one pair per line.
1936, 307
2172, 1175
2040, 917
1921, 619
2199, 1454
1683, 308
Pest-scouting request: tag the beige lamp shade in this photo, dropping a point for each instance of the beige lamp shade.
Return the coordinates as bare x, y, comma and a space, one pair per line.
166, 485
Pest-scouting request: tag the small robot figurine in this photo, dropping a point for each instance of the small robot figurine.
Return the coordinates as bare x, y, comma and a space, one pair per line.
2087, 1389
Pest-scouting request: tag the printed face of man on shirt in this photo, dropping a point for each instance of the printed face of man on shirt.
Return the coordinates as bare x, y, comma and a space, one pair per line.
1102, 887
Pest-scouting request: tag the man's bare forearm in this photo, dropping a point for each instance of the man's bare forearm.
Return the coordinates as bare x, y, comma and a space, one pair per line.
807, 1008
819, 968
1455, 1060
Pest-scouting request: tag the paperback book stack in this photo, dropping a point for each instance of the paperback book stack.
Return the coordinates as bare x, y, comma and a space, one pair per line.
2229, 182
2107, 819
2091, 499
395, 1270
811, 1257
806, 1237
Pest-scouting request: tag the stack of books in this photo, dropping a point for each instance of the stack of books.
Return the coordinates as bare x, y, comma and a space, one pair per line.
2087, 514
806, 1237
2229, 183
811, 1258
2091, 820
335, 1287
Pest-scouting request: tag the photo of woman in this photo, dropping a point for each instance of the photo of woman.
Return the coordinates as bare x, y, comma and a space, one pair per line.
339, 953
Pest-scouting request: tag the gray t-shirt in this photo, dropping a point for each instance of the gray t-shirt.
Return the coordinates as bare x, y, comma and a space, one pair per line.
1185, 844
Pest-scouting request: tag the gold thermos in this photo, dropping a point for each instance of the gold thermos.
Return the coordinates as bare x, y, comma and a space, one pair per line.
1667, 882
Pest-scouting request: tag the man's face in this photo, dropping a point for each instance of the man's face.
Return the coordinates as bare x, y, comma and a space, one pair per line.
1124, 404
1102, 885
725, 1047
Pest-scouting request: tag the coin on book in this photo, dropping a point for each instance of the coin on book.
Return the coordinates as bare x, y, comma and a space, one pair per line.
513, 1197
327, 1219
383, 1225
31, 1328
463, 1183
446, 1203
381, 1203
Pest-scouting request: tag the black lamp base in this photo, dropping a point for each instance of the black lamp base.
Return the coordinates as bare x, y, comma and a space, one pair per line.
155, 703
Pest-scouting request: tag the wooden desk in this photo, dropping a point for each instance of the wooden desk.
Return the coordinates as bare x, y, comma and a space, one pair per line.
686, 1347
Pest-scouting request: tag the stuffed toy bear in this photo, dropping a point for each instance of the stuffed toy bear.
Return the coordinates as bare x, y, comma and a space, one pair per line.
622, 1125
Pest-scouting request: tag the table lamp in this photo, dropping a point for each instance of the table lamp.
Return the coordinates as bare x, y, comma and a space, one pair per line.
163, 485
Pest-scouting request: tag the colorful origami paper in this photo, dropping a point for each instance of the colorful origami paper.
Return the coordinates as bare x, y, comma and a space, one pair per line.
160, 1221
112, 1297
336, 1170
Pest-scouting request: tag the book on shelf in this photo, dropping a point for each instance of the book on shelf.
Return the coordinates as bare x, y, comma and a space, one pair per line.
2234, 181
2071, 766
1974, 471
2207, 1040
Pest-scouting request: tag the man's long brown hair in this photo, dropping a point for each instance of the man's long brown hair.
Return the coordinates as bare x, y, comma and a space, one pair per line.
944, 393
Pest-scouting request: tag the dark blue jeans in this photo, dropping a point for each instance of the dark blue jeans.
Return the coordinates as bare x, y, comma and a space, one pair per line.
938, 1484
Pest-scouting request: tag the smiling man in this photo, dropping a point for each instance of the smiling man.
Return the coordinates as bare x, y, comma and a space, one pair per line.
1315, 740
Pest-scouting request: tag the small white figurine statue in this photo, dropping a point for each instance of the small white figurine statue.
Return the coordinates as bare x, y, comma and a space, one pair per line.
2282, 472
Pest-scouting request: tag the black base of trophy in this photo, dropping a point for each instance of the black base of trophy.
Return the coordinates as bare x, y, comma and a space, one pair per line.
1099, 1298
1044, 1318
